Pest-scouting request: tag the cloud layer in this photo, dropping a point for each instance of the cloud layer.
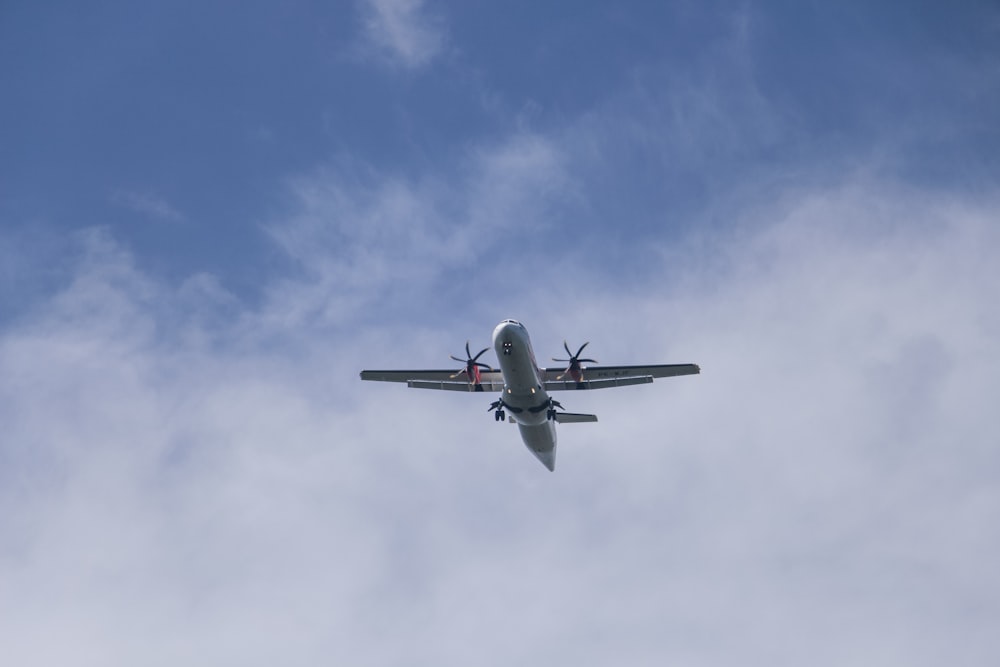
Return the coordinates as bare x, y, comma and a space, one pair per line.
823, 492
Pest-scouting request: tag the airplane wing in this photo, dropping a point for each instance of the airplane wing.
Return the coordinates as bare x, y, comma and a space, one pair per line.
594, 377
601, 377
447, 380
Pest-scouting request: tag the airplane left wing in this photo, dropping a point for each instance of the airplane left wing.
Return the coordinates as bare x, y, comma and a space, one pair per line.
601, 377
437, 379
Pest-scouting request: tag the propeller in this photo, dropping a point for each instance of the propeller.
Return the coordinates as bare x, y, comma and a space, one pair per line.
472, 364
574, 361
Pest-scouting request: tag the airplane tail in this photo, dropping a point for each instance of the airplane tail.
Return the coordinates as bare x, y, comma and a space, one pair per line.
574, 418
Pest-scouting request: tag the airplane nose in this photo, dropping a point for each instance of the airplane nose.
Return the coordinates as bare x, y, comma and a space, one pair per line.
502, 328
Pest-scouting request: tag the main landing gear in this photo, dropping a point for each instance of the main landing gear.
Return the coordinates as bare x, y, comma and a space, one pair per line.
550, 409
500, 415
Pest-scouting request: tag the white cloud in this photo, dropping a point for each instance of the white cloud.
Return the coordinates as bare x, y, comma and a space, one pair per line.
148, 204
824, 492
362, 237
402, 31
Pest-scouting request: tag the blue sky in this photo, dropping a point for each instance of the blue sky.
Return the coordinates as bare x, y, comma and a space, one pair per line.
213, 215
179, 126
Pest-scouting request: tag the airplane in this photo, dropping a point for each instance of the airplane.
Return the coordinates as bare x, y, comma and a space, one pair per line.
524, 387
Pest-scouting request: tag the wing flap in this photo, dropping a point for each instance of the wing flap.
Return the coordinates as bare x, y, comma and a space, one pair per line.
489, 376
609, 372
560, 385
451, 385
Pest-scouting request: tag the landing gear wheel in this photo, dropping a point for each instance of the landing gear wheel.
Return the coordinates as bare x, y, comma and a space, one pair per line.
551, 414
501, 415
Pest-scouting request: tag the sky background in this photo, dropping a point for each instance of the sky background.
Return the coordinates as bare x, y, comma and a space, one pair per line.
214, 214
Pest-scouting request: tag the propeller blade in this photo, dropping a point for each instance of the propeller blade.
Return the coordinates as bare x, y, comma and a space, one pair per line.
471, 362
574, 360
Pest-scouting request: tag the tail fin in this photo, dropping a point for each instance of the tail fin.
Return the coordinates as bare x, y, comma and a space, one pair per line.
574, 418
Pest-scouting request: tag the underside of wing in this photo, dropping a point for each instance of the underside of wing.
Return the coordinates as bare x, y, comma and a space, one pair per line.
569, 385
454, 385
601, 377
447, 380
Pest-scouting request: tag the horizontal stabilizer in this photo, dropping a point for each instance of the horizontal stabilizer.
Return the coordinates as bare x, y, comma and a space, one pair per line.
574, 418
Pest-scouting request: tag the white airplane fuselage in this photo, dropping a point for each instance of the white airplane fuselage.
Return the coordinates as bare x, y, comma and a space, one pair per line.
524, 398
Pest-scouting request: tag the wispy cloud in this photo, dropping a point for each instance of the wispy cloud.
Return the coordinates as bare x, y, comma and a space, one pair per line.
402, 31
147, 204
362, 236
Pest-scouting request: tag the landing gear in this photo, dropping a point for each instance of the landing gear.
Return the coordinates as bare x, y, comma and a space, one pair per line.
499, 415
551, 414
